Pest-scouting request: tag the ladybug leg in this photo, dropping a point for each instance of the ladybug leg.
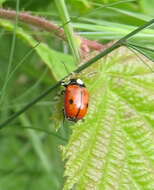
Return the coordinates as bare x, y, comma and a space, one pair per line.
64, 117
63, 112
83, 120
73, 119
64, 83
62, 92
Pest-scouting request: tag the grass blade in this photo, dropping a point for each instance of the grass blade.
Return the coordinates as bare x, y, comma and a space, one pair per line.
68, 29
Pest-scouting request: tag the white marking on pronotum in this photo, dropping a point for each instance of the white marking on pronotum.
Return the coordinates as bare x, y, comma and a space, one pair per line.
79, 81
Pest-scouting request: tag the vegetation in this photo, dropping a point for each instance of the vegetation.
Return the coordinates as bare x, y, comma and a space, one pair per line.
113, 148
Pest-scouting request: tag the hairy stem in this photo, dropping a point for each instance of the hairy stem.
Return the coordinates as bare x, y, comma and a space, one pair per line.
48, 26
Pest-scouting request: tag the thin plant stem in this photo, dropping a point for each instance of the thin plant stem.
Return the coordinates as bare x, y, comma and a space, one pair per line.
72, 39
135, 52
11, 54
44, 131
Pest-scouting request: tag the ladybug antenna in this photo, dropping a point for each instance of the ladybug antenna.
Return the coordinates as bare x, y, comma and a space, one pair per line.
67, 70
63, 121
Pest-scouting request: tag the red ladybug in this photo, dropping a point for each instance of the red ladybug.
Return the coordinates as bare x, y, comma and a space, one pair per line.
76, 100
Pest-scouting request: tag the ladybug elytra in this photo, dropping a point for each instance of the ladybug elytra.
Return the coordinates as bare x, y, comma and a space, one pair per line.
76, 100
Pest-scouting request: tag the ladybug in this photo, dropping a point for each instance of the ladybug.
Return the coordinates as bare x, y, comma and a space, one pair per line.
76, 100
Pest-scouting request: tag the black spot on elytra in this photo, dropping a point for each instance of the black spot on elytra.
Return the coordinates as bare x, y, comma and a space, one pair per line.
87, 105
71, 101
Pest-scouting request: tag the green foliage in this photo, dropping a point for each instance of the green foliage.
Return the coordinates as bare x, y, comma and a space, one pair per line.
147, 6
147, 52
72, 40
2, 1
114, 147
50, 57
32, 5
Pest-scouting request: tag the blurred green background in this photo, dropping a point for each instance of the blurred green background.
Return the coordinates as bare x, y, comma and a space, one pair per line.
30, 156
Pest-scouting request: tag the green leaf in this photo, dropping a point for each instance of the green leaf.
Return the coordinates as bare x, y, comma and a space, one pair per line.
2, 1
147, 6
53, 59
148, 52
72, 39
132, 14
100, 29
114, 147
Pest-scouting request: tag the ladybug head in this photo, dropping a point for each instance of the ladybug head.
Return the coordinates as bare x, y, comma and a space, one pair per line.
74, 81
78, 82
